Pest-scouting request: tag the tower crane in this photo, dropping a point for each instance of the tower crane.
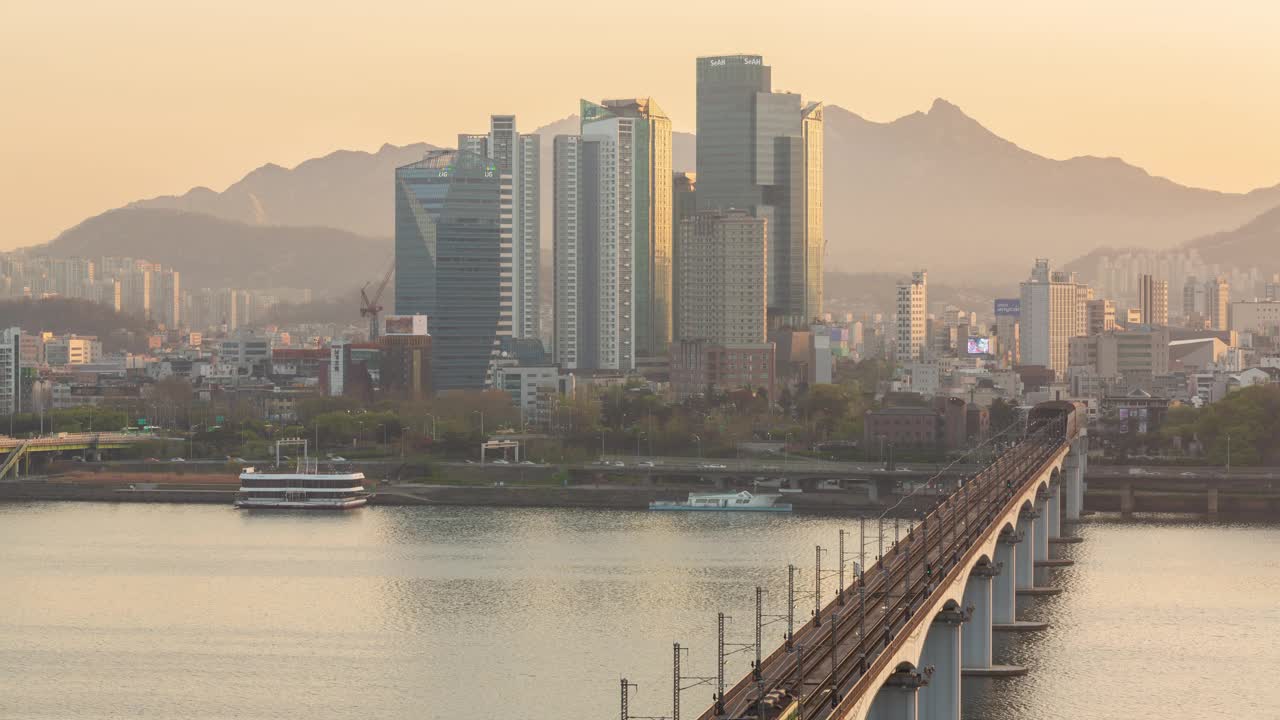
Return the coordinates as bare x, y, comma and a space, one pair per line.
370, 306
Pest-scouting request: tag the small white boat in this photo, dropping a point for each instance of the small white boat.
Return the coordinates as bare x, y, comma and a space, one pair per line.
725, 502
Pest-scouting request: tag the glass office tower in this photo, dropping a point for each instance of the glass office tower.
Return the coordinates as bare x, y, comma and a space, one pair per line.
761, 151
448, 260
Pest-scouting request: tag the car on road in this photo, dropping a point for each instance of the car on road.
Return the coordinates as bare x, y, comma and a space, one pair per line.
646, 463
500, 461
527, 462
177, 459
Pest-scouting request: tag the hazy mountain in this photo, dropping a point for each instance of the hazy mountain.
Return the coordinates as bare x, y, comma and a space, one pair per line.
212, 252
932, 188
1253, 244
350, 190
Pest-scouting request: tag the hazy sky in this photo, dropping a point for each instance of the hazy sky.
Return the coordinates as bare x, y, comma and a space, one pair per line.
105, 102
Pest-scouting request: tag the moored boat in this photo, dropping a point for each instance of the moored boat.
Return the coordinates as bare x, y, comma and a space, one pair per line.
725, 502
306, 488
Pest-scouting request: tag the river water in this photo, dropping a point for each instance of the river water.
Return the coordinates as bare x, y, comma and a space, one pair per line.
204, 612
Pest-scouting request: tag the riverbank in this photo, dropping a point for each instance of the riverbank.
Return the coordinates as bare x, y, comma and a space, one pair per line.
599, 497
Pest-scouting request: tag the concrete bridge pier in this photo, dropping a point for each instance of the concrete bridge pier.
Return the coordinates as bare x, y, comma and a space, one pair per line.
975, 637
1073, 479
1055, 510
898, 699
940, 699
1003, 586
1026, 555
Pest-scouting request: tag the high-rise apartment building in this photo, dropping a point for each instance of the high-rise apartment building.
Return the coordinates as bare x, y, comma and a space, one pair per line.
573, 207
516, 159
761, 151
1217, 294
1102, 316
448, 245
913, 319
613, 245
1193, 302
10, 370
1153, 300
684, 203
1050, 305
723, 277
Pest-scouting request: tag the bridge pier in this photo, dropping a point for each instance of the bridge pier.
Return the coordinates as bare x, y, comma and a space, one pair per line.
1003, 598
1073, 480
940, 699
975, 636
1026, 553
1055, 511
898, 699
1212, 510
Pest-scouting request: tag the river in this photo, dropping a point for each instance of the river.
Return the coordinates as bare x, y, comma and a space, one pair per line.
205, 612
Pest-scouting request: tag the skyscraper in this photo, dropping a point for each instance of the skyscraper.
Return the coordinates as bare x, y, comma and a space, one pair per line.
10, 371
516, 158
1153, 300
613, 236
449, 260
1050, 304
1217, 301
684, 203
723, 276
723, 290
761, 151
912, 318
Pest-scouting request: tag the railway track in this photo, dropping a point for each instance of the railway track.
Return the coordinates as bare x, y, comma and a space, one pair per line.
884, 599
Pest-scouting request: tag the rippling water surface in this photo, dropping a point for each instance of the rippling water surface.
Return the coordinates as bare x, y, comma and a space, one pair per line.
172, 611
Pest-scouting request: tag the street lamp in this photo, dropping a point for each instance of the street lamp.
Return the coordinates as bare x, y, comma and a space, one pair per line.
481, 414
699, 439
433, 427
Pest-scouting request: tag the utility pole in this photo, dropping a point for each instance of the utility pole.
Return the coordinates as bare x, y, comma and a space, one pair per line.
626, 710
835, 619
817, 586
862, 544
675, 688
791, 604
840, 590
756, 671
720, 666
879, 537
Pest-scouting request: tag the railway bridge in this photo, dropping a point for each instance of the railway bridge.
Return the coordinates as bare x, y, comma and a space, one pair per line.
894, 643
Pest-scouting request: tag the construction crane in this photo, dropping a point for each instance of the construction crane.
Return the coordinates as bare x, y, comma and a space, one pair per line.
370, 306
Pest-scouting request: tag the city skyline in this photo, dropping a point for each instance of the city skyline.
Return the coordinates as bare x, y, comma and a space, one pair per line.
319, 101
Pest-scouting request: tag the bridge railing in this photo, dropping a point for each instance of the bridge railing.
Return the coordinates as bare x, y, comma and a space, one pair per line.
952, 544
956, 554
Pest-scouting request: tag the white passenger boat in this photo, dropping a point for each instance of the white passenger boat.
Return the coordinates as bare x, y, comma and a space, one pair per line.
306, 488
725, 502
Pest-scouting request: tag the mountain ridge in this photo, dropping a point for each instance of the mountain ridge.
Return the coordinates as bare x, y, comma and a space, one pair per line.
935, 183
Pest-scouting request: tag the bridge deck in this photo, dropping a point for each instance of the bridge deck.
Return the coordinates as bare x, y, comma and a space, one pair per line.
866, 616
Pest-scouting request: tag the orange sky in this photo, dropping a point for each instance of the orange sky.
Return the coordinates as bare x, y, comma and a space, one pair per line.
106, 102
